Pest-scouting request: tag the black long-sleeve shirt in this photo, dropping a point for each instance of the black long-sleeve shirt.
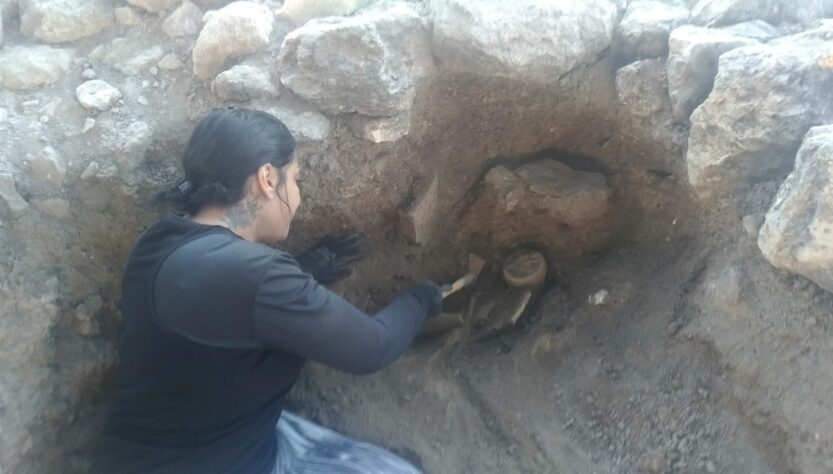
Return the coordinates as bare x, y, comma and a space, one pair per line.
215, 332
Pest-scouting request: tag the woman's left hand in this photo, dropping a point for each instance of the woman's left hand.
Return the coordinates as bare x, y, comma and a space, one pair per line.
329, 260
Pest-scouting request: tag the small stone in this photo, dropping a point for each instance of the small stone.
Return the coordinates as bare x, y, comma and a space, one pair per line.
243, 83
126, 16
417, 220
115, 110
599, 298
145, 84
89, 123
170, 62
4, 114
142, 100
237, 29
752, 224
97, 94
88, 74
61, 21
652, 462
156, 84
184, 22
8, 194
154, 6
47, 166
53, 207
25, 68
710, 467
382, 130
129, 144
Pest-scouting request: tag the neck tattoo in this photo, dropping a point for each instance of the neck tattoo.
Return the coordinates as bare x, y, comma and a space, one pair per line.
242, 215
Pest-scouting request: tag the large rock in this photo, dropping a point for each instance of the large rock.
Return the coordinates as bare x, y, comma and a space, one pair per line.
756, 29
369, 63
27, 68
301, 11
243, 83
692, 65
545, 202
798, 232
60, 21
495, 37
726, 12
644, 110
184, 22
132, 57
764, 100
154, 6
97, 95
237, 29
646, 25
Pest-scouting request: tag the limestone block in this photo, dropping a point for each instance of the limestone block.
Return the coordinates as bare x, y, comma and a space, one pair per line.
305, 125
26, 68
97, 94
154, 6
722, 12
127, 16
545, 202
60, 21
301, 11
370, 63
646, 25
641, 88
131, 57
170, 62
243, 83
9, 195
798, 232
184, 22
692, 65
756, 29
764, 100
237, 29
492, 37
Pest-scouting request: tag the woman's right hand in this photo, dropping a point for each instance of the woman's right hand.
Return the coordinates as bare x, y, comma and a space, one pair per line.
430, 295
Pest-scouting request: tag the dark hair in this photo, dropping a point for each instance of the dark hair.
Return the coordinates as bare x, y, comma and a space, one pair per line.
227, 147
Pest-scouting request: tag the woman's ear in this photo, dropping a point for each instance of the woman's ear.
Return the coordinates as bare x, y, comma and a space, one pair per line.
266, 180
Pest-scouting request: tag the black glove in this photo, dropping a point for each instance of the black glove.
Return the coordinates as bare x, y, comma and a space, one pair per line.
329, 260
430, 296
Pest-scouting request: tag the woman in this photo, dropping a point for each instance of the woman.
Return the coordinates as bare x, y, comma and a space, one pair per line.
217, 324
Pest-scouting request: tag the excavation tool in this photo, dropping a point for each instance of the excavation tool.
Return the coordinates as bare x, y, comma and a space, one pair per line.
476, 265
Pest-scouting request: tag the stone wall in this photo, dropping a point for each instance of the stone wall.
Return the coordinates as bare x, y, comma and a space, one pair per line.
98, 96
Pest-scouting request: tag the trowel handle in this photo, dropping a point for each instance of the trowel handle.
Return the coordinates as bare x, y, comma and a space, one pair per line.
458, 285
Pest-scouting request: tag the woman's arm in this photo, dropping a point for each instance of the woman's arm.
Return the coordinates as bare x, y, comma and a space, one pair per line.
295, 314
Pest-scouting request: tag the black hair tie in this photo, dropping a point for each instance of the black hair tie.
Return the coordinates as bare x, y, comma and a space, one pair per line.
183, 186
